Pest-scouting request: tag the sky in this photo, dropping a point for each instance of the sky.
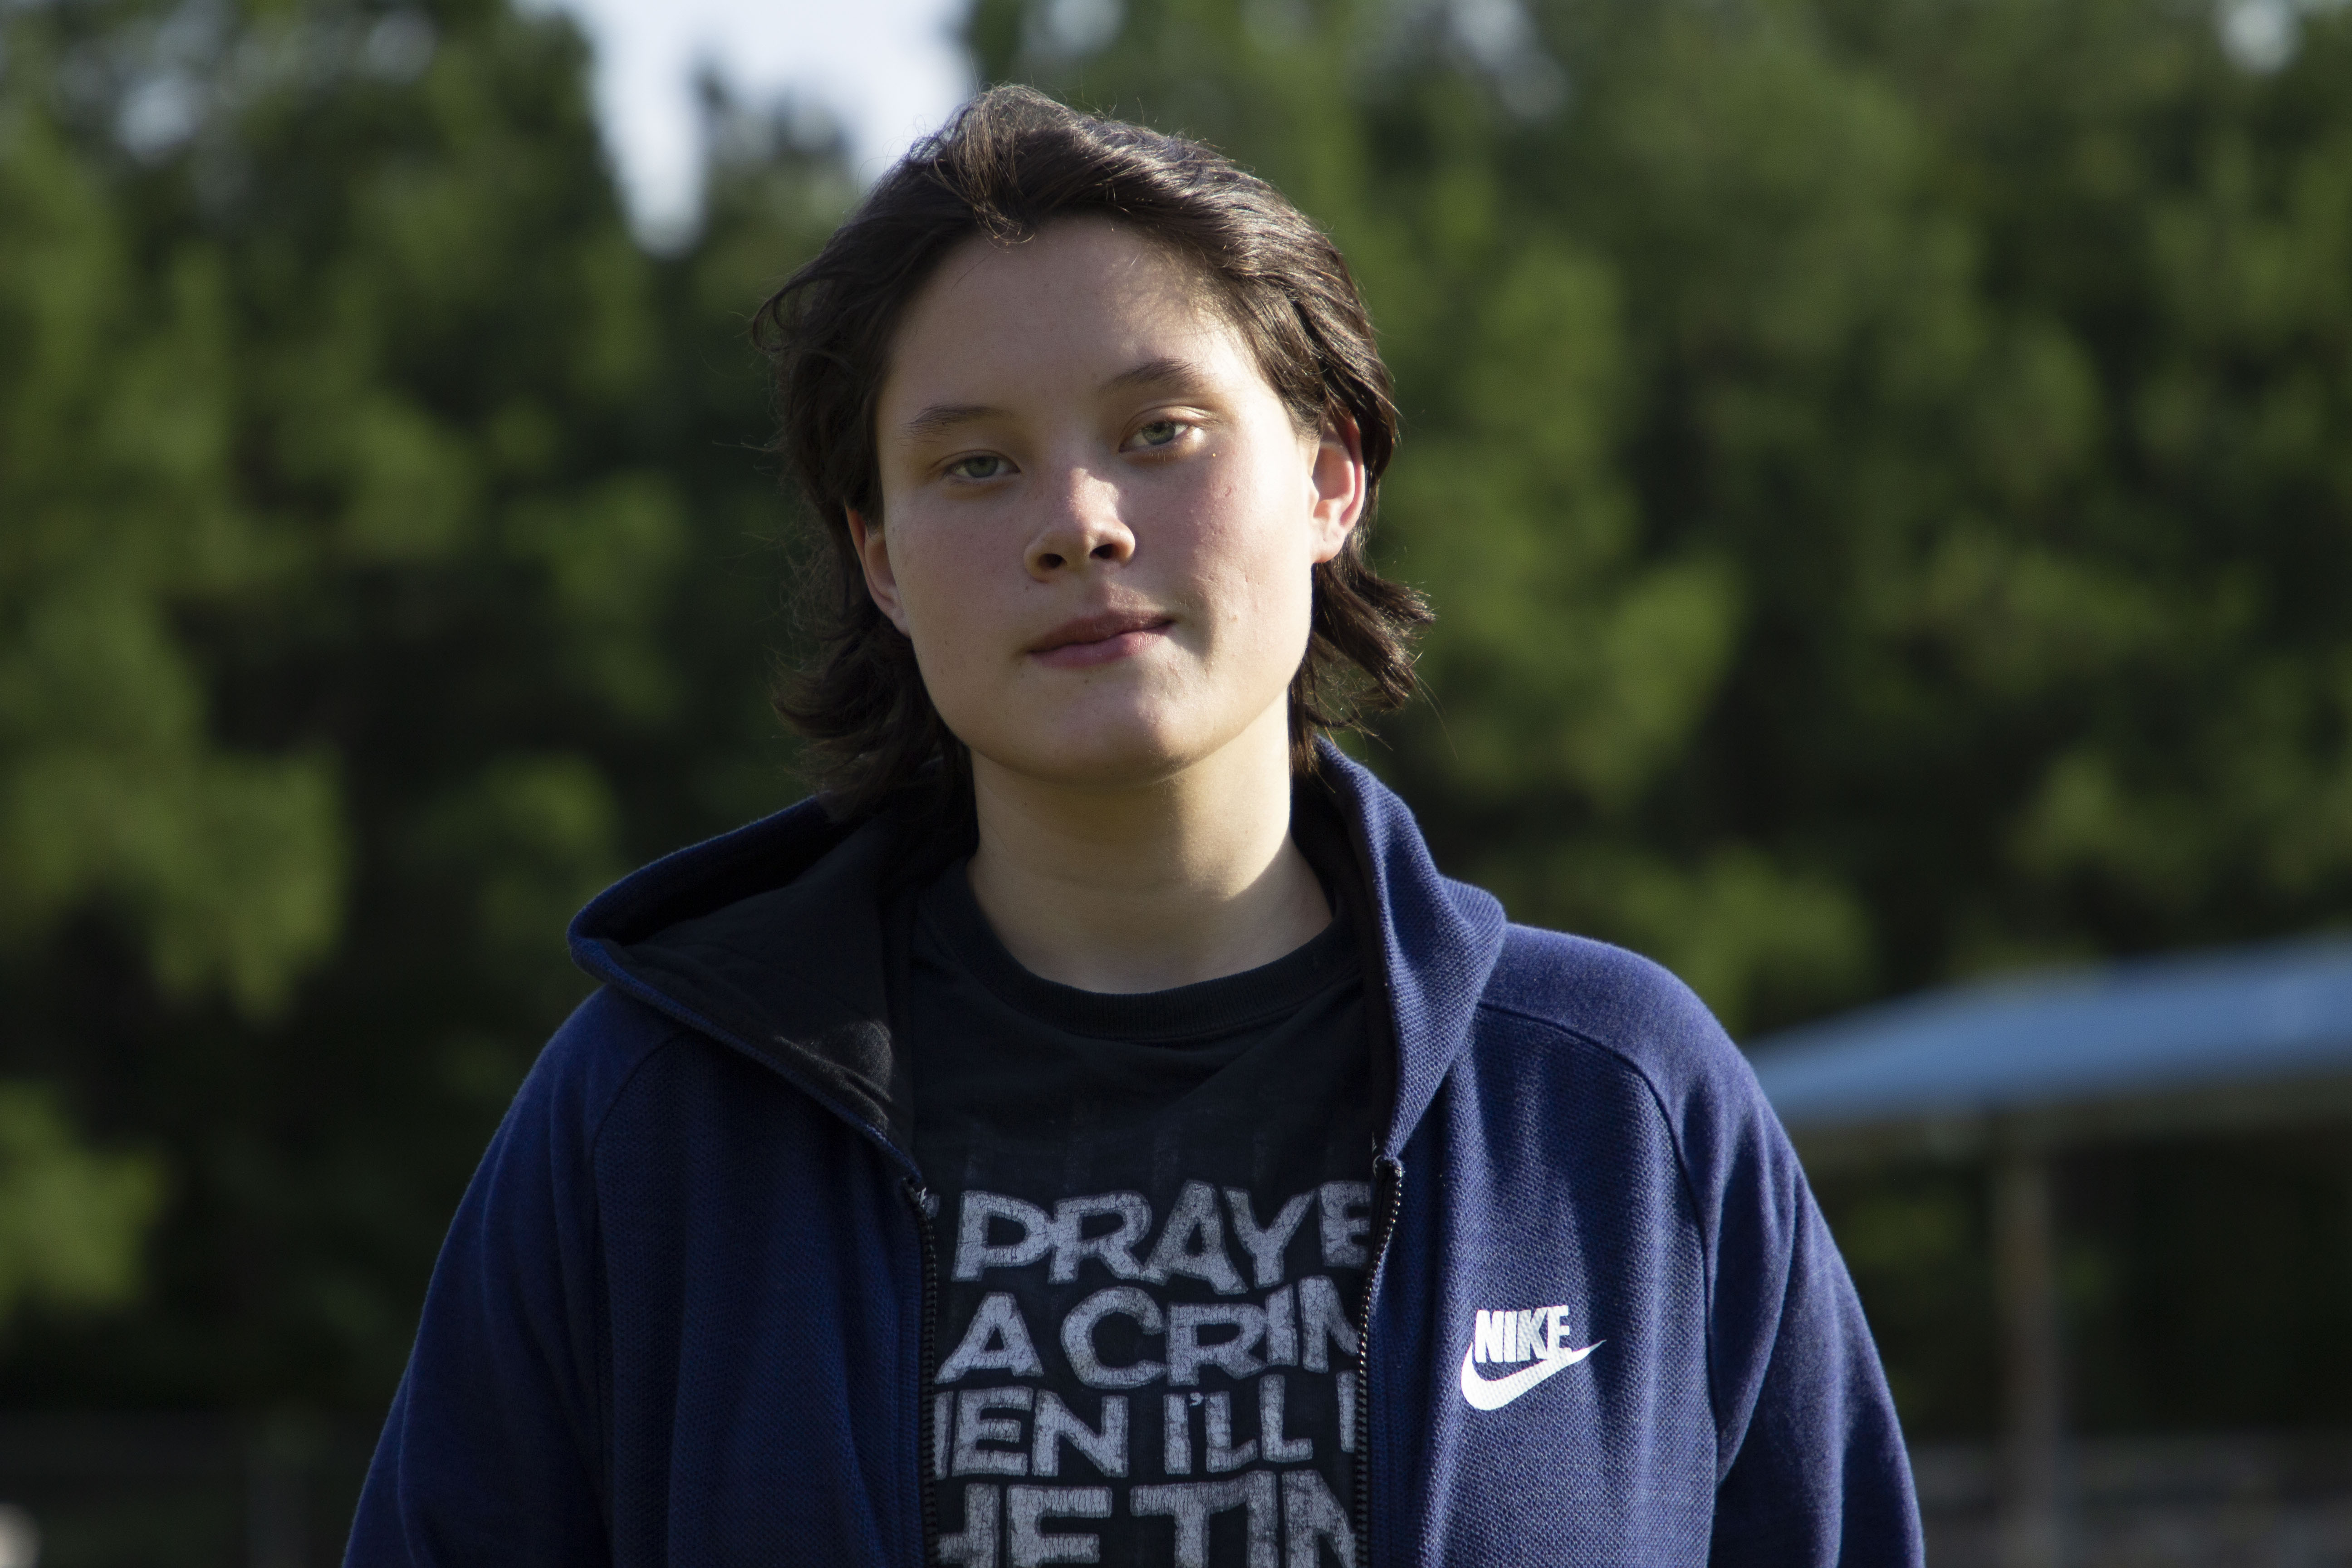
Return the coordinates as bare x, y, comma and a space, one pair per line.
889, 70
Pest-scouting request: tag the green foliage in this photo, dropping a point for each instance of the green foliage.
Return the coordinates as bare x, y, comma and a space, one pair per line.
71, 1222
388, 565
116, 393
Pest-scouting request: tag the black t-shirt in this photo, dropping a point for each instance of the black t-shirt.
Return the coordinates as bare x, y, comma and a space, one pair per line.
1152, 1223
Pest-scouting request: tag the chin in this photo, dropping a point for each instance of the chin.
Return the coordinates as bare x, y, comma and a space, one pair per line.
1111, 752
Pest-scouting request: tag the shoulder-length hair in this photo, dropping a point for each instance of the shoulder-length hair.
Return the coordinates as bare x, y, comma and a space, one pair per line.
1012, 161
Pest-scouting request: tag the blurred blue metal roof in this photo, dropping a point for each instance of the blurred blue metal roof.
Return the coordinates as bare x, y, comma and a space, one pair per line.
2143, 1027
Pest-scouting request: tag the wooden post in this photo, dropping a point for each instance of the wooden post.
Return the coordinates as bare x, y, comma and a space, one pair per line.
2026, 1286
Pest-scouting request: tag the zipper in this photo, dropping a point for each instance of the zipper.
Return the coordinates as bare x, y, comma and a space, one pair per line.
918, 1198
1387, 1196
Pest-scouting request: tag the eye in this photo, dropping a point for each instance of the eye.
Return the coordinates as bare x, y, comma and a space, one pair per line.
979, 466
1159, 433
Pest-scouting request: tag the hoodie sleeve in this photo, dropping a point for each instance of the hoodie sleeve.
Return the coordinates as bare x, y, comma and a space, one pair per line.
492, 1453
1811, 1467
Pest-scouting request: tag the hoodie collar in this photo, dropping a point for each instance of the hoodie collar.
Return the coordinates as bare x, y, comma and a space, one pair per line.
1439, 939
772, 940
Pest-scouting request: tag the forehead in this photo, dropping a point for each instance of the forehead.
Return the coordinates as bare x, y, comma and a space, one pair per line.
1080, 295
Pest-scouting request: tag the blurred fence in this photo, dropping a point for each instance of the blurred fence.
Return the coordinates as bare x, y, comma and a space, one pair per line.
197, 1491
117, 1490
2236, 1501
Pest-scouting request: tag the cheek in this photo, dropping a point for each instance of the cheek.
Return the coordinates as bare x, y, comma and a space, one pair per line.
936, 574
943, 600
1265, 552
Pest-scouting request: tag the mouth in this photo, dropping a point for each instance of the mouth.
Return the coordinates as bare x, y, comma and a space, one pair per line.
1099, 639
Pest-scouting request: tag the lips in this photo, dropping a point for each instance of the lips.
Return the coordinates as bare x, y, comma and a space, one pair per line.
1099, 638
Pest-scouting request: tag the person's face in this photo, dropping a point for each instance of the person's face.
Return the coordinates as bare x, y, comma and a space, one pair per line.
1098, 521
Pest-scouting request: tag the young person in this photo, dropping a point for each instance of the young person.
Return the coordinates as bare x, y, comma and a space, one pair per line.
1091, 1131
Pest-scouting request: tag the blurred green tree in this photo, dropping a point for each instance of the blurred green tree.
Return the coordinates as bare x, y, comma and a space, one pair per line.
389, 563
223, 868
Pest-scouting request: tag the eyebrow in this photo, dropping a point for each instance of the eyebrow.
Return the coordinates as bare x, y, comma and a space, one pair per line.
943, 417
1176, 374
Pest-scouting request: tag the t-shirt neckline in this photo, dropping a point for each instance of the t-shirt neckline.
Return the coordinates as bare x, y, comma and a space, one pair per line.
1206, 1008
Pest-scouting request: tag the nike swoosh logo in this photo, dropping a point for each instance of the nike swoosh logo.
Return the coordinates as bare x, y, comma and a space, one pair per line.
1484, 1393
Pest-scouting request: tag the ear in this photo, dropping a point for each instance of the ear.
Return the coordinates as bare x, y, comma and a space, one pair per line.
874, 556
1338, 484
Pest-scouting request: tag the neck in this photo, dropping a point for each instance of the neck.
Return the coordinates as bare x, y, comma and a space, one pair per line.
1152, 886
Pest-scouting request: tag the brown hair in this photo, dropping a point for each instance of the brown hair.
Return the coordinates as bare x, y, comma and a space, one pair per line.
1012, 161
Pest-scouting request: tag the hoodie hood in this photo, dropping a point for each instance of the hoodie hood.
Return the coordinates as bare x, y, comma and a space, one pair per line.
770, 939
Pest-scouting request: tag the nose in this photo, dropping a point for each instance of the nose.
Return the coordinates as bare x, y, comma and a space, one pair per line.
1081, 524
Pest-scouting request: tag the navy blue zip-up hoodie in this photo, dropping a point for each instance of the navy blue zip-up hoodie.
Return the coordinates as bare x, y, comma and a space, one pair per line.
684, 1313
